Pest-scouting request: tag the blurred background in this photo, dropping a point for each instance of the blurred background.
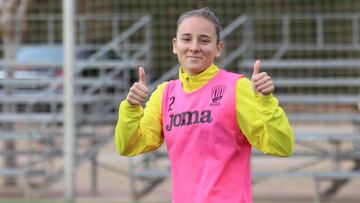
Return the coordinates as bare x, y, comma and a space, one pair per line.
311, 49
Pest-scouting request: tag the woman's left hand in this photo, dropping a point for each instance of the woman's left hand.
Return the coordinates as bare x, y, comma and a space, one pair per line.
261, 81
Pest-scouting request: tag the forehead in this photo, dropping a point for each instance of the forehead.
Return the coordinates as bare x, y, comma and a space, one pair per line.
196, 25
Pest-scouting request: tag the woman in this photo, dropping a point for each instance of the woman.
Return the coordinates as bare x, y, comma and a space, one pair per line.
209, 118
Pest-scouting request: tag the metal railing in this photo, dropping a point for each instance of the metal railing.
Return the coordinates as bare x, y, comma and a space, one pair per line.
244, 53
39, 109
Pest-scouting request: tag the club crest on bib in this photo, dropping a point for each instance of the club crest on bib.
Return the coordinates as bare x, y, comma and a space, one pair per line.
217, 94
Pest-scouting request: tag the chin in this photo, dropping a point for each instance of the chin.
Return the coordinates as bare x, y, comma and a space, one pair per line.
195, 70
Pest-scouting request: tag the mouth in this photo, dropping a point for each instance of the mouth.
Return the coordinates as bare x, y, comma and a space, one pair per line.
194, 57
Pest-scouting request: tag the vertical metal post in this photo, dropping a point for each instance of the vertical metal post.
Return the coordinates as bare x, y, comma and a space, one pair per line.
319, 31
335, 153
355, 30
248, 34
94, 173
115, 27
148, 42
248, 41
50, 30
132, 180
317, 195
82, 30
69, 114
286, 30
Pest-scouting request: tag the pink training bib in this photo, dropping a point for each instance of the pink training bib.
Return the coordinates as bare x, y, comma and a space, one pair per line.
210, 157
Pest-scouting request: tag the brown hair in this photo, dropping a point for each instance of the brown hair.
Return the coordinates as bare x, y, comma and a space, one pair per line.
205, 13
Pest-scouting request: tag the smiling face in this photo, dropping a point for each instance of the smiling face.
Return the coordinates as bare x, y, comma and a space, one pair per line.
196, 44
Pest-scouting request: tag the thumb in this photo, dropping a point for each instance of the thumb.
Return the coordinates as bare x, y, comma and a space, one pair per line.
142, 76
256, 67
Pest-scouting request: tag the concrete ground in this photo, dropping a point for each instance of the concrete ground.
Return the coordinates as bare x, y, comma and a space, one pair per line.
115, 187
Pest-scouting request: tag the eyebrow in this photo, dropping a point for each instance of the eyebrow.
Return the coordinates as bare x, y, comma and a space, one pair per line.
188, 34
207, 36
185, 34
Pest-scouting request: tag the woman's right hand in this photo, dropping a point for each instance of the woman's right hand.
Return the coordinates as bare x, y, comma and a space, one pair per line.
139, 91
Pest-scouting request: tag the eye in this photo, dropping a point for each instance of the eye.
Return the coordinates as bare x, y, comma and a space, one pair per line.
186, 39
204, 40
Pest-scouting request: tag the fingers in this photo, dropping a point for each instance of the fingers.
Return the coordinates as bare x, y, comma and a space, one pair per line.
263, 84
260, 78
137, 94
133, 99
142, 76
139, 91
267, 90
261, 81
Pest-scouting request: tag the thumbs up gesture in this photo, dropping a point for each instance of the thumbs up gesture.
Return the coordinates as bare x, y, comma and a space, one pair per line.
138, 92
261, 81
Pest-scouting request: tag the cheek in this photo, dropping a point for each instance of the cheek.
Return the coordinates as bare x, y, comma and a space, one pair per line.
211, 54
181, 48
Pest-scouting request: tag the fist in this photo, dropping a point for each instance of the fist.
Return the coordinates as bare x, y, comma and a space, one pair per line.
139, 91
261, 81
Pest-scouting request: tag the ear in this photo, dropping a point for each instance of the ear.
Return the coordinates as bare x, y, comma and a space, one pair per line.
174, 46
219, 49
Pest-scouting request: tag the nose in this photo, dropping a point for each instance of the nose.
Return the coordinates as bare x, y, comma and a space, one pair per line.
194, 46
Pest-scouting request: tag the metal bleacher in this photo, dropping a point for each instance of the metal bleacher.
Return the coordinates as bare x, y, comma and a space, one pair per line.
319, 92
321, 97
31, 109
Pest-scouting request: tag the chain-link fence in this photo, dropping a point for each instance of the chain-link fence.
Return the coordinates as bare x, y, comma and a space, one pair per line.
310, 48
165, 13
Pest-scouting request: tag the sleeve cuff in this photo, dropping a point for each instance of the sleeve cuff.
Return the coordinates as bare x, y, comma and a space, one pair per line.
266, 102
126, 106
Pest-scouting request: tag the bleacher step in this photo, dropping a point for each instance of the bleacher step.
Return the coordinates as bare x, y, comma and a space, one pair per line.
18, 172
324, 117
303, 64
15, 135
345, 99
31, 117
151, 173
